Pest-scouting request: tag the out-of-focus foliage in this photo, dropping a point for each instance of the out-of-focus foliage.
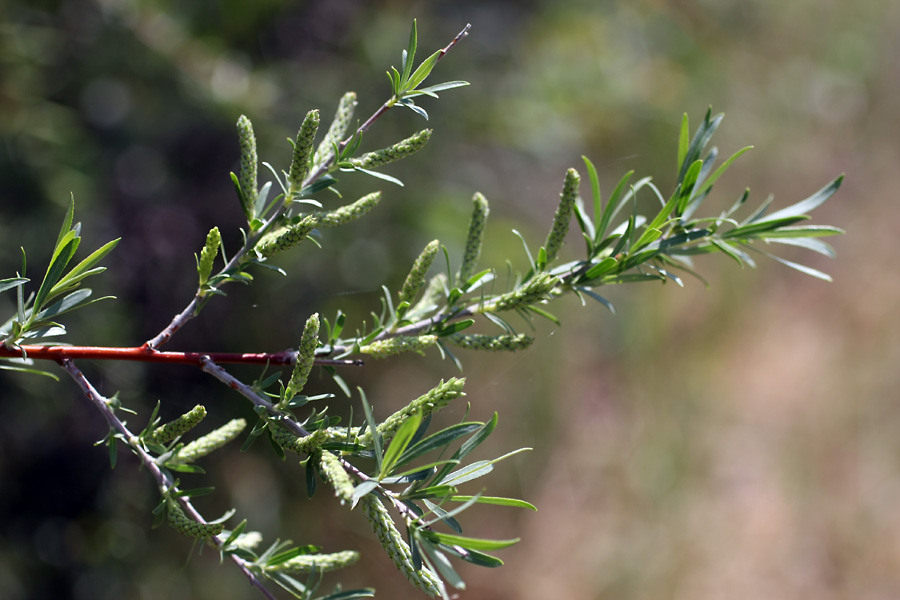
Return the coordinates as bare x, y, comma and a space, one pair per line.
734, 442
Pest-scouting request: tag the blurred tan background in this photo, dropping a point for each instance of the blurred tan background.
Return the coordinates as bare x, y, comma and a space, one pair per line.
741, 441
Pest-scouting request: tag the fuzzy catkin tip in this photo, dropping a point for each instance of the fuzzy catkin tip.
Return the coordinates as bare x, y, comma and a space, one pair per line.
171, 430
208, 254
416, 278
306, 356
334, 472
338, 129
494, 343
249, 161
563, 215
480, 212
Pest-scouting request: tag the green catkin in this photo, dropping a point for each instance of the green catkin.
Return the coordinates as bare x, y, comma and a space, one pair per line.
208, 254
509, 343
330, 466
306, 355
249, 162
285, 237
299, 445
338, 129
399, 345
171, 430
416, 278
480, 214
430, 402
563, 215
349, 212
189, 527
303, 149
397, 549
401, 149
211, 441
320, 563
533, 291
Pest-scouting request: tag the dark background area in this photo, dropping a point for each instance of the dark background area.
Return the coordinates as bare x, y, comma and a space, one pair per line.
738, 441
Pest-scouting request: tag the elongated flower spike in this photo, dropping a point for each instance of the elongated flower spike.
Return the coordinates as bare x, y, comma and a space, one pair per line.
249, 163
338, 129
494, 343
211, 441
171, 430
416, 278
530, 293
334, 472
426, 404
480, 214
189, 527
208, 254
563, 215
399, 345
397, 549
349, 212
400, 150
303, 149
286, 237
305, 356
299, 445
316, 563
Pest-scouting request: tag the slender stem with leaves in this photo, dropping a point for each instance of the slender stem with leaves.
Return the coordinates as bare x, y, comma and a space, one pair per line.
410, 482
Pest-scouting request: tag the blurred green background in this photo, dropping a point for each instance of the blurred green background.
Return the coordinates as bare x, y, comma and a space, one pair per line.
741, 441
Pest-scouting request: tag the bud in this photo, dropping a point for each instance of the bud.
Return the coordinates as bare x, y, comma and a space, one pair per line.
480, 214
563, 214
348, 213
189, 527
530, 293
433, 401
171, 430
303, 364
401, 149
208, 254
338, 129
249, 162
416, 278
302, 153
316, 563
211, 441
397, 549
509, 343
285, 237
399, 345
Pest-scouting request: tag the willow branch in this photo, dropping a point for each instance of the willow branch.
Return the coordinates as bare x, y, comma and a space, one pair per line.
164, 482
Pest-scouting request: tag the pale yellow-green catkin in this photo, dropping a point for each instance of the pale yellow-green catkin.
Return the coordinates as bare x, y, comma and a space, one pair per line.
401, 149
480, 212
348, 213
530, 293
416, 278
338, 129
306, 355
399, 345
189, 527
563, 215
248, 540
249, 162
476, 341
430, 402
211, 441
208, 254
397, 549
335, 474
285, 237
303, 149
321, 563
171, 430
299, 445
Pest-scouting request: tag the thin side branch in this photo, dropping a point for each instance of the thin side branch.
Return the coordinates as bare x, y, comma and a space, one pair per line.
162, 480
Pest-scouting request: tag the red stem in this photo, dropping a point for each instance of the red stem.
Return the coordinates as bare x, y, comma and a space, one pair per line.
146, 354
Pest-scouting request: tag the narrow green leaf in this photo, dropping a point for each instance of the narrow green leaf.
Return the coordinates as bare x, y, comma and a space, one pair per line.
496, 500
612, 205
67, 221
438, 440
410, 55
400, 443
440, 561
423, 71
806, 206
467, 542
683, 141
12, 282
